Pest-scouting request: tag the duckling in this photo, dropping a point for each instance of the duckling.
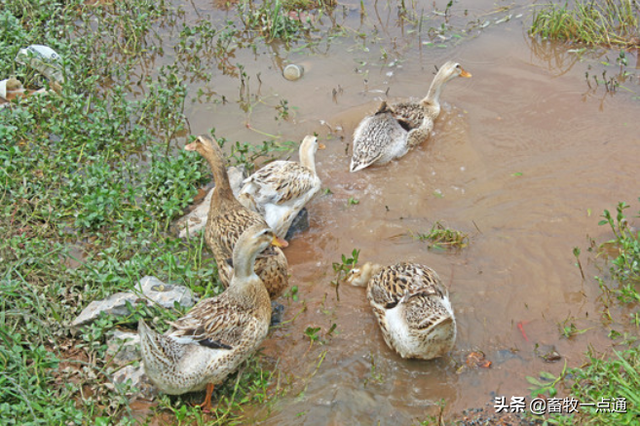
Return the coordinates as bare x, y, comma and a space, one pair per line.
394, 129
227, 219
281, 189
206, 345
412, 308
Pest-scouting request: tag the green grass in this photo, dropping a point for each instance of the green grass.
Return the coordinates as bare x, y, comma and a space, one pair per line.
606, 23
90, 181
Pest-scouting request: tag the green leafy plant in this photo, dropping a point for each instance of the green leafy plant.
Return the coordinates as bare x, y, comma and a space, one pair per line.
625, 268
546, 383
274, 19
245, 154
346, 264
292, 293
568, 329
342, 268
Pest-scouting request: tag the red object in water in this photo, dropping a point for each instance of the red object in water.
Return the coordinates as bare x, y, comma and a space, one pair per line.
521, 328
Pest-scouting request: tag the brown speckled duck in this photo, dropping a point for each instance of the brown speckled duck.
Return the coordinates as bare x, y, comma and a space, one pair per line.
412, 307
227, 220
394, 129
206, 345
279, 190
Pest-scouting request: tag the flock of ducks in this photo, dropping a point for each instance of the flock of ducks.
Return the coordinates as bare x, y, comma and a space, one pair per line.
246, 236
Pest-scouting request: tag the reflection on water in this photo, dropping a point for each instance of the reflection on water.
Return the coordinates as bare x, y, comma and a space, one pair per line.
518, 159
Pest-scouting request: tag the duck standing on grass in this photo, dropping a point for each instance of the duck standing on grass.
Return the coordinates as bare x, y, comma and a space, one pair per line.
412, 307
394, 129
202, 348
228, 219
279, 190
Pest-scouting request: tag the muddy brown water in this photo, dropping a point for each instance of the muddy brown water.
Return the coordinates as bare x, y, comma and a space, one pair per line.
524, 158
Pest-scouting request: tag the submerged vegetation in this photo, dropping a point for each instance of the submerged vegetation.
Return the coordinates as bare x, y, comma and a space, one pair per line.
612, 23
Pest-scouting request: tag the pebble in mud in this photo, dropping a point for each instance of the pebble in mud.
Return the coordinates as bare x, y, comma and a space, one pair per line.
293, 72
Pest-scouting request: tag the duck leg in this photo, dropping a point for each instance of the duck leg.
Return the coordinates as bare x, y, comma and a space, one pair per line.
206, 405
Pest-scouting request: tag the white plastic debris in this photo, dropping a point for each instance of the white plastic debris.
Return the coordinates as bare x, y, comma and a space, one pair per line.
43, 59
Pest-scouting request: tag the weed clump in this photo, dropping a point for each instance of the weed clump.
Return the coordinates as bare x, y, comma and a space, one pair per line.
444, 238
609, 23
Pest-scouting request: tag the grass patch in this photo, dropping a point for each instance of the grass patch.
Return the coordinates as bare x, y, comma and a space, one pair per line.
609, 23
90, 181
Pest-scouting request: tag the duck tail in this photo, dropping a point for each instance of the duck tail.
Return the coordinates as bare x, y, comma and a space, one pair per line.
157, 349
383, 108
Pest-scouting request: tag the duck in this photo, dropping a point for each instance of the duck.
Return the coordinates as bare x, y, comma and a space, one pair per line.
394, 129
210, 342
228, 219
279, 190
412, 307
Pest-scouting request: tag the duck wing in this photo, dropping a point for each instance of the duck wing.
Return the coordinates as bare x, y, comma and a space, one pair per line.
280, 182
215, 322
375, 138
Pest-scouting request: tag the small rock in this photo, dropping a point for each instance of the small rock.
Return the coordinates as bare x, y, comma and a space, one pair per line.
548, 353
504, 355
152, 291
137, 378
299, 224
165, 295
123, 347
277, 311
293, 72
115, 305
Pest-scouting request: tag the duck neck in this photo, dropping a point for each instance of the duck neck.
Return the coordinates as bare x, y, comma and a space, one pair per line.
368, 271
243, 265
308, 160
432, 100
220, 177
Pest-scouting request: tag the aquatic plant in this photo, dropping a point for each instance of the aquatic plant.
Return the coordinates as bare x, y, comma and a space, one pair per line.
343, 267
275, 19
610, 23
443, 237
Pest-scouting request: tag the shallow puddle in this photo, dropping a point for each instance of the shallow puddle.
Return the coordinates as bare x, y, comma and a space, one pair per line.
524, 158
